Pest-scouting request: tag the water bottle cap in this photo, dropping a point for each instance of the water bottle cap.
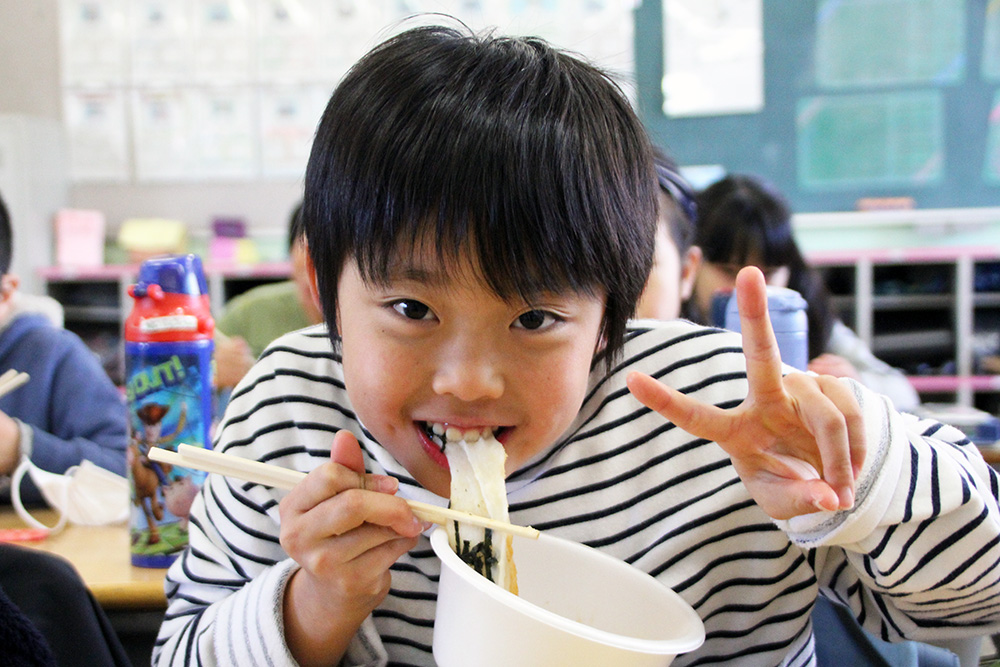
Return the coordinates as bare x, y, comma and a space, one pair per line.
175, 274
786, 307
789, 321
782, 298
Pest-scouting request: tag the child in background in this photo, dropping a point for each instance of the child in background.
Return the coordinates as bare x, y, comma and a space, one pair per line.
254, 318
742, 221
481, 214
69, 410
675, 260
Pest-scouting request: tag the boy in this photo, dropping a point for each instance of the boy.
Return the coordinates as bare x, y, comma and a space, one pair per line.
480, 214
69, 410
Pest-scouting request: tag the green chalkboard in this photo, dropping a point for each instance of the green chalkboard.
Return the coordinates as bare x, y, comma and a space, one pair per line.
872, 98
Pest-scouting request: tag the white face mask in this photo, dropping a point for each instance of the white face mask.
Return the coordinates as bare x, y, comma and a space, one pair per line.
86, 494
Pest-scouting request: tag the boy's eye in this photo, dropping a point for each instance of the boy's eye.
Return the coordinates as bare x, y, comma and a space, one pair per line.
535, 319
411, 309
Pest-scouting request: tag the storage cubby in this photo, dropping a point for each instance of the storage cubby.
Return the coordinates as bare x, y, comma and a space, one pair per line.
933, 312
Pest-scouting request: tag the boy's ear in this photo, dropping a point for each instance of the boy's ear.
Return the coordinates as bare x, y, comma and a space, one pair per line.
602, 344
311, 274
8, 285
690, 263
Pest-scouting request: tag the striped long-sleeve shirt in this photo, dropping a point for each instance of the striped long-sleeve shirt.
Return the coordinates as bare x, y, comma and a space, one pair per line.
917, 557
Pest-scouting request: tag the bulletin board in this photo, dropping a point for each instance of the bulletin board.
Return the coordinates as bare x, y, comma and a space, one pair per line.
862, 98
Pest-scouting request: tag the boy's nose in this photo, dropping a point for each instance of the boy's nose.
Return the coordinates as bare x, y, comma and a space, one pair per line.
468, 374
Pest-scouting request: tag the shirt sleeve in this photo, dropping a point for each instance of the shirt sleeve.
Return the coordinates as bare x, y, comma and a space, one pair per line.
85, 417
922, 543
225, 590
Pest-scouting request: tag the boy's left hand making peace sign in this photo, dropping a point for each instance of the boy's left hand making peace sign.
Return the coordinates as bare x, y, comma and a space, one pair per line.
797, 441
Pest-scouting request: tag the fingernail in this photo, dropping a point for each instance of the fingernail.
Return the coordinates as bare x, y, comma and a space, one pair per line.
846, 499
421, 526
824, 504
818, 504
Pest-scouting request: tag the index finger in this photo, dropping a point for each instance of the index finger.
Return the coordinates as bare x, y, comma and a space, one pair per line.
760, 347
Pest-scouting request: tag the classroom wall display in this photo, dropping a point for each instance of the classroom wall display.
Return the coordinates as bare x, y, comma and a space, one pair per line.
862, 100
195, 90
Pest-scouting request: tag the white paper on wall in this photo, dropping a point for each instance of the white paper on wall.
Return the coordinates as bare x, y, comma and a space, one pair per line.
224, 124
172, 86
93, 42
713, 60
161, 43
165, 144
288, 119
97, 131
222, 42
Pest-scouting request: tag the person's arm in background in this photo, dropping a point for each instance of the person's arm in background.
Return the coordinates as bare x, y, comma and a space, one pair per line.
69, 410
233, 358
10, 444
848, 356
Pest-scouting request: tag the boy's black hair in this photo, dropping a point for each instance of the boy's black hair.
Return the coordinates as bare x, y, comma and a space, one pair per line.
6, 238
742, 220
530, 159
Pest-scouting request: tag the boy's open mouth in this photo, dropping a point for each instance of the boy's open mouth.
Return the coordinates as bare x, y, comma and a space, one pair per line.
441, 434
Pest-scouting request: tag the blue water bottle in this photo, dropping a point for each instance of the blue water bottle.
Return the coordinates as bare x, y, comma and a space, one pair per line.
168, 374
787, 309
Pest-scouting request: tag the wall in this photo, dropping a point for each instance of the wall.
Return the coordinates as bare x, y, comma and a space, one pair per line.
765, 143
29, 69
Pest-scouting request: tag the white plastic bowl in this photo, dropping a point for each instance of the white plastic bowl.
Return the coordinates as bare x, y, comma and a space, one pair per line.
575, 606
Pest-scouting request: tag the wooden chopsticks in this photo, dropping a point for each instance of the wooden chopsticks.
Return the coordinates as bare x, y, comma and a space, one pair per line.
11, 380
188, 456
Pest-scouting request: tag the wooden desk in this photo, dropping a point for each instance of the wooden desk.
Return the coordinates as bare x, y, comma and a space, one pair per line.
101, 555
991, 454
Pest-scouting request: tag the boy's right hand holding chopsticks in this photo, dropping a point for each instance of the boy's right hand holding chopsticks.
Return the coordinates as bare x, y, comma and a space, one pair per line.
344, 528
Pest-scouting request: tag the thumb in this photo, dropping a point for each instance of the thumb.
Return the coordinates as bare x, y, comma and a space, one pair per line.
347, 452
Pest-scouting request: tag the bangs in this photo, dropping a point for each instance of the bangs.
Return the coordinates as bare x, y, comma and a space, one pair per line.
529, 159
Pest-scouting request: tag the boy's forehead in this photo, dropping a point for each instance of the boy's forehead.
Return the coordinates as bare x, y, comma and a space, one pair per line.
442, 269
434, 267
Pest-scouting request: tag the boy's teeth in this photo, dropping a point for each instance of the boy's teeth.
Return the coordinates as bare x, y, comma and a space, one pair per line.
455, 434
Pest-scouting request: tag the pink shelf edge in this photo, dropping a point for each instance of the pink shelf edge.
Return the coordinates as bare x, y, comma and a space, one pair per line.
946, 383
115, 271
890, 255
